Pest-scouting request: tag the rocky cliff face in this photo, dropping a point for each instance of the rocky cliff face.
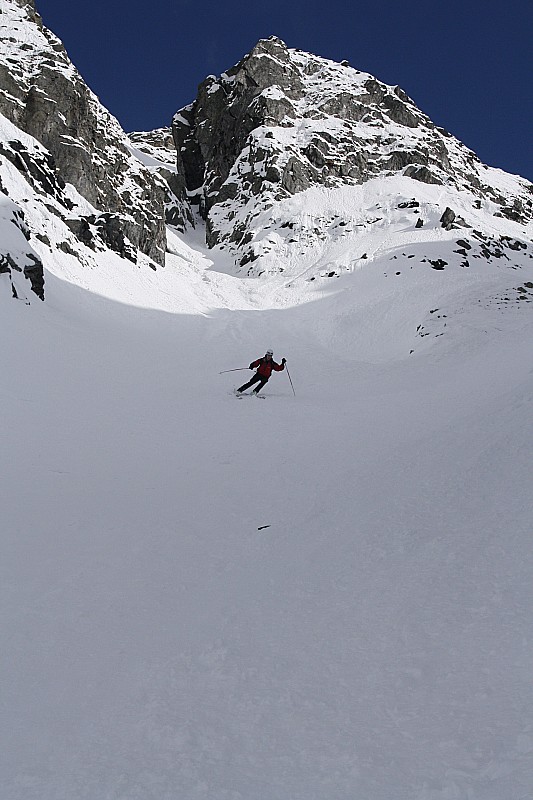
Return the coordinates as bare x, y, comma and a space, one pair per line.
156, 149
43, 96
18, 260
282, 121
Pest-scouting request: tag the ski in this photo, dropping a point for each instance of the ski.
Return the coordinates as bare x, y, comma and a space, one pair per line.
240, 395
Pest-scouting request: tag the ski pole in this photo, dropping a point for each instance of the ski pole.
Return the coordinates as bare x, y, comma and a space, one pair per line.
289, 377
239, 369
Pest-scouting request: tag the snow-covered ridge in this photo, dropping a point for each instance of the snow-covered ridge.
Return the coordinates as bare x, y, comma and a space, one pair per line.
282, 121
305, 171
46, 225
43, 95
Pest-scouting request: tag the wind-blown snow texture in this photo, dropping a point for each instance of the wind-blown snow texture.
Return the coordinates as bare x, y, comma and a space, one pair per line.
324, 596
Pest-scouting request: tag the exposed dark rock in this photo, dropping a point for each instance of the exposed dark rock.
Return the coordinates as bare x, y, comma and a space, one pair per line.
516, 245
107, 229
422, 174
43, 238
447, 219
65, 247
210, 134
47, 99
516, 213
35, 274
159, 145
38, 168
297, 177
438, 263
5, 266
402, 158
399, 112
32, 271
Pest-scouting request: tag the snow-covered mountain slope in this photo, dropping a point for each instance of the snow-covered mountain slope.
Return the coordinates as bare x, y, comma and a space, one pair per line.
43, 97
282, 121
325, 595
48, 228
248, 153
324, 232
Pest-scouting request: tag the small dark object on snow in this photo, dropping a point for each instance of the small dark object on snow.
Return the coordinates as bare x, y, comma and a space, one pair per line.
262, 527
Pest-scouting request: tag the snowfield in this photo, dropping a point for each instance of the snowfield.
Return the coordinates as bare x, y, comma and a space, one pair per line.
325, 596
321, 595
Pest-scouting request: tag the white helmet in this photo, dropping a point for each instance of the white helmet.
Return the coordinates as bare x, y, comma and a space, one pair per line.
269, 352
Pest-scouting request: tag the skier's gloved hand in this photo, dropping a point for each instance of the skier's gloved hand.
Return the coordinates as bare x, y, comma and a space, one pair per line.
283, 360
250, 367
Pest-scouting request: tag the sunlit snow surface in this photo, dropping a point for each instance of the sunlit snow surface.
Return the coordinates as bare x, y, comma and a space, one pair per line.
374, 642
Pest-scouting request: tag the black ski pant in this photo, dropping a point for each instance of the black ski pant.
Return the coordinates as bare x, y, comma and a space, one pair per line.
259, 379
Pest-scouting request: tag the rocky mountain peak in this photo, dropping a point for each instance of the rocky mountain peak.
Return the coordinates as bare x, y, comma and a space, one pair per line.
43, 96
278, 124
268, 64
282, 120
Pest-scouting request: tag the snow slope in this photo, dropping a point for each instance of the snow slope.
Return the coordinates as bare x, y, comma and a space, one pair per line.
374, 641
319, 596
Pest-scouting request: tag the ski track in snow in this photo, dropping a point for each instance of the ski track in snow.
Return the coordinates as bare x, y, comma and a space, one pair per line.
372, 641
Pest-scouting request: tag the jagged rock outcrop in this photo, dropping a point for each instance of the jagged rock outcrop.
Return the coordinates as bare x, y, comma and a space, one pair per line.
42, 94
18, 260
157, 151
447, 219
282, 120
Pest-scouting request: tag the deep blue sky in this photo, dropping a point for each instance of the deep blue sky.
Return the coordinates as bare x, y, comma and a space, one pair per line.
466, 63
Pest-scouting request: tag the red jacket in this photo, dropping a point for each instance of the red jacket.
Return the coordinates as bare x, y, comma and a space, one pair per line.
266, 367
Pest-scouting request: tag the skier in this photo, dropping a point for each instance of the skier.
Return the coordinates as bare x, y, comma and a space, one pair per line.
264, 368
